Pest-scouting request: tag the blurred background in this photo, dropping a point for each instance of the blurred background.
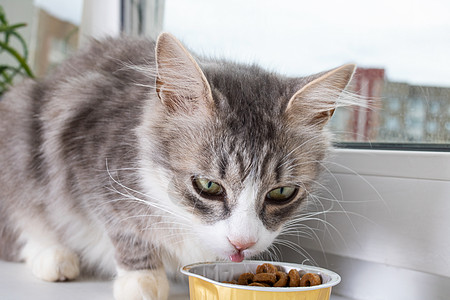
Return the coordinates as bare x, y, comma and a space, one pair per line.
401, 48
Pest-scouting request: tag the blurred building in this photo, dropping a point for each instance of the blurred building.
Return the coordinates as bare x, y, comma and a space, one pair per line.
415, 113
394, 112
55, 40
367, 83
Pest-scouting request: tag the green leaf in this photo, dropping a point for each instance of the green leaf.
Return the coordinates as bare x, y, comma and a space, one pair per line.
11, 28
18, 57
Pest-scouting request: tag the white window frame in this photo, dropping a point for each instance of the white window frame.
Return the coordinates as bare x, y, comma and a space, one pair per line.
393, 214
431, 165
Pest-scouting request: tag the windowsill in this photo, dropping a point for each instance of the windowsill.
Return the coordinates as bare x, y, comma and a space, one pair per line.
17, 283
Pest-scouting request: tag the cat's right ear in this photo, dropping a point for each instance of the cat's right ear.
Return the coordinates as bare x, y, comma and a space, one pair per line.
180, 83
315, 102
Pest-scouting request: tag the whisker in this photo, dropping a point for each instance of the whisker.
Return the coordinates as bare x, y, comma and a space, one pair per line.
296, 248
127, 194
363, 179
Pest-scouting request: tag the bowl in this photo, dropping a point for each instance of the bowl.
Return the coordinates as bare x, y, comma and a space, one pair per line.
205, 282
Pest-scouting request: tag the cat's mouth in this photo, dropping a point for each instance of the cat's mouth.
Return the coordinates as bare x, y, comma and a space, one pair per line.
237, 257
241, 247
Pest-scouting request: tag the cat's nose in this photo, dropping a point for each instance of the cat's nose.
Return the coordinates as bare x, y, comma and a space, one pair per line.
242, 245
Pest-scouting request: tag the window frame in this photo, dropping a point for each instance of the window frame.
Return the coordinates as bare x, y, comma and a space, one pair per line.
431, 165
394, 146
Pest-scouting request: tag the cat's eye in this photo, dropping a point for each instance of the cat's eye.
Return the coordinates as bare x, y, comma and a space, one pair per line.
282, 194
208, 188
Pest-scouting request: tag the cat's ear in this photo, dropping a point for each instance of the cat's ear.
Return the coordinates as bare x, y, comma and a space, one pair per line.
180, 83
315, 102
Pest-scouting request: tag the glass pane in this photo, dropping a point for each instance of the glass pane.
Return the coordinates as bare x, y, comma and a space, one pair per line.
399, 112
401, 48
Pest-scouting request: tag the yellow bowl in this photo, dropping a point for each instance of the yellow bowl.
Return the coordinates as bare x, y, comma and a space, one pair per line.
205, 282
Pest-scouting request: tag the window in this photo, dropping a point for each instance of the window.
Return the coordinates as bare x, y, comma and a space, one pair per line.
56, 29
51, 32
400, 47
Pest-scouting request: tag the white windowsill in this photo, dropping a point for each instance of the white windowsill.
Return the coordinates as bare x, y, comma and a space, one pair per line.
17, 283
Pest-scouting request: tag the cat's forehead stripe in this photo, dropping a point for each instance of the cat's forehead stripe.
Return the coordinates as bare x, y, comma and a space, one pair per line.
264, 167
243, 169
223, 165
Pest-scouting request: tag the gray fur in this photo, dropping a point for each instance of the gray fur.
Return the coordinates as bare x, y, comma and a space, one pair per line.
73, 142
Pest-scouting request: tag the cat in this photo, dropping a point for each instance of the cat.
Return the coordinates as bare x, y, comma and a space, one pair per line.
133, 158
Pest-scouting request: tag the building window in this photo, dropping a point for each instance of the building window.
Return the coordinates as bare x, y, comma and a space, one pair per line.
398, 112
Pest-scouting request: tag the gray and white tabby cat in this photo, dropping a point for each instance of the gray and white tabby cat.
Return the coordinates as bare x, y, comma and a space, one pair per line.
133, 158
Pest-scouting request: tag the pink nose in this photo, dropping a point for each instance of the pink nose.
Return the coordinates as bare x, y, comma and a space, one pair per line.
241, 245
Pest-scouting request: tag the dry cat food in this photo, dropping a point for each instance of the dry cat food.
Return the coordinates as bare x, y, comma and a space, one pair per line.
268, 275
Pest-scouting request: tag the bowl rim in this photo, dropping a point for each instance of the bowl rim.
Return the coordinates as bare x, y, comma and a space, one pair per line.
335, 278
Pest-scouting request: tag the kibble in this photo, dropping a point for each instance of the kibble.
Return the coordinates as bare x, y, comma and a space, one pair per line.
268, 275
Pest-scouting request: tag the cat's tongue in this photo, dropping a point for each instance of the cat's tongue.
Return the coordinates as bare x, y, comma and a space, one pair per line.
237, 257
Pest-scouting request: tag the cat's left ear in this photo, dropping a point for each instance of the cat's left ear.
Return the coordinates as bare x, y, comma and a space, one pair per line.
180, 83
314, 103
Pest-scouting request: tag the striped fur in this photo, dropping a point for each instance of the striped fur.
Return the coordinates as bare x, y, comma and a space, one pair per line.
99, 157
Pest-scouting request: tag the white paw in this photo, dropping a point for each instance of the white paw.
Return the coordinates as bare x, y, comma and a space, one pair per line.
141, 285
55, 264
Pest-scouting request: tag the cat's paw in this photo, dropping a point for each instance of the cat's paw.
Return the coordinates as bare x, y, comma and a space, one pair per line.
55, 263
141, 285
